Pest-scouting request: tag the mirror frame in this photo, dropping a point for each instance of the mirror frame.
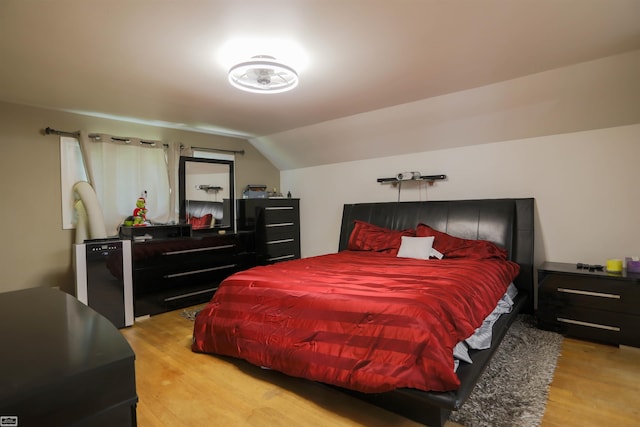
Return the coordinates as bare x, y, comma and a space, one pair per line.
182, 215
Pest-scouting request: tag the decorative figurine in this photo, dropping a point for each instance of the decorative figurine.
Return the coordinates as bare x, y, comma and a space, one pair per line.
140, 212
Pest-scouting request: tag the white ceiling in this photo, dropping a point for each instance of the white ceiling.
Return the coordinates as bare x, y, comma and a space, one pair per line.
158, 61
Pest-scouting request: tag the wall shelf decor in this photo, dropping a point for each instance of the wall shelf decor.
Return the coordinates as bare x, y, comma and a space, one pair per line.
401, 177
411, 176
209, 188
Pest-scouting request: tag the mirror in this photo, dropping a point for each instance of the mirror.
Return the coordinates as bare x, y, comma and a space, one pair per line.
206, 194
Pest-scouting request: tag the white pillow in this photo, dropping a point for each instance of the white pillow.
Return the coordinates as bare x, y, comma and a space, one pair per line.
415, 247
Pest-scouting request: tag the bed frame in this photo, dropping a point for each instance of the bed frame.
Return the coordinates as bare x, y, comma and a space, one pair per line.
506, 222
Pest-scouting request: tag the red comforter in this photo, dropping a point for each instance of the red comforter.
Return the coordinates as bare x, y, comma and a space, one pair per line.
366, 321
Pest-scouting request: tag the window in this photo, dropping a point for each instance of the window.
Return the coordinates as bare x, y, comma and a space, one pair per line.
121, 171
212, 155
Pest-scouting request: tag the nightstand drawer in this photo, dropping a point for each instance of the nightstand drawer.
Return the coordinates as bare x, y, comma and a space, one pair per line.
603, 326
590, 292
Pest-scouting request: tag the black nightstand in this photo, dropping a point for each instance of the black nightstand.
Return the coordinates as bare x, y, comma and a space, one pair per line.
593, 305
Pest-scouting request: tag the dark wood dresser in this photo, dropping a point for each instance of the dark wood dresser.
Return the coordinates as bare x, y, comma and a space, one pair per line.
592, 305
169, 273
62, 363
276, 223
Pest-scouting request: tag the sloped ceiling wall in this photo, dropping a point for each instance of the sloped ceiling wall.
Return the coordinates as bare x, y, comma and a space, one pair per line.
591, 95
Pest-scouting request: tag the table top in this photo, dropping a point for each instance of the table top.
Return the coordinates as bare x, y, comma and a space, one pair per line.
569, 268
48, 336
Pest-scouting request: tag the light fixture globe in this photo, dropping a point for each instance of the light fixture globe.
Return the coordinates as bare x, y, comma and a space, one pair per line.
263, 74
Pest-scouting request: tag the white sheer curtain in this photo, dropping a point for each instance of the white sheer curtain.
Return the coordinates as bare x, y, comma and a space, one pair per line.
123, 169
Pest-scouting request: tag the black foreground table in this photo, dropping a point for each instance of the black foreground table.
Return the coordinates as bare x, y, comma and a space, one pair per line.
62, 363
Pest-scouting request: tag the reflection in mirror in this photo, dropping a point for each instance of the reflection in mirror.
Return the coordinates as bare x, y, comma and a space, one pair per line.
206, 194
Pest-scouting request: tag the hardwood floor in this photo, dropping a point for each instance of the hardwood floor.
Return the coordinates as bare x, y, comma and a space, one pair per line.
594, 385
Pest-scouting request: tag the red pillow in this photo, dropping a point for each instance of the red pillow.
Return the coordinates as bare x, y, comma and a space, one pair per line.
455, 247
198, 223
369, 237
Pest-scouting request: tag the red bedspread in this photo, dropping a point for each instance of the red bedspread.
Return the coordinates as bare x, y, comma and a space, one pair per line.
360, 320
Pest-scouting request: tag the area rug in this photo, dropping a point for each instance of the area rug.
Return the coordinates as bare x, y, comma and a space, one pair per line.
512, 392
190, 314
513, 389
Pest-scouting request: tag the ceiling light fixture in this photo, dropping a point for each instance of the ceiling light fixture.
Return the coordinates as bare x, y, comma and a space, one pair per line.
263, 74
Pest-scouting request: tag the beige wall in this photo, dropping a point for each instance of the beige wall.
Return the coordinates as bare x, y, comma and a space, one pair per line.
36, 251
585, 185
569, 137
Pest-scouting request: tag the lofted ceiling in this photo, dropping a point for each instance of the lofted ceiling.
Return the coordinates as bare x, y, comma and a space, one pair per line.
161, 61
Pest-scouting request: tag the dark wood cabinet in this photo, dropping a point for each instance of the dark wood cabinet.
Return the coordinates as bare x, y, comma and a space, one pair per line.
178, 272
592, 305
62, 363
276, 227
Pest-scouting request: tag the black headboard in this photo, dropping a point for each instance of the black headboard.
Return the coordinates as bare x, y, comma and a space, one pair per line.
506, 222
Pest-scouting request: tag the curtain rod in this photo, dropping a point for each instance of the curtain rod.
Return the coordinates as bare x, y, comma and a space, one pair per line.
216, 149
50, 131
76, 134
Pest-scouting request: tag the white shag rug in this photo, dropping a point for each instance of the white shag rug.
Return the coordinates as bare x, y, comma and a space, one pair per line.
513, 389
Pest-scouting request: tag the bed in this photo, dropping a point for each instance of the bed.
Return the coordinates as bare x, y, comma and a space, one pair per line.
366, 321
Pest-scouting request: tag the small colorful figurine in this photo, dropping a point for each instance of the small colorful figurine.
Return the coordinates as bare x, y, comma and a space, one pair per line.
140, 212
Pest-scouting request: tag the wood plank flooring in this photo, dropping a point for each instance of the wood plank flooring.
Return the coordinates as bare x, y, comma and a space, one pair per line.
594, 385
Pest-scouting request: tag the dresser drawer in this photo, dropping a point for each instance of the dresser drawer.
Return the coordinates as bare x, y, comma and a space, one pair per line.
558, 290
160, 294
281, 250
251, 211
280, 214
181, 251
279, 231
177, 276
167, 299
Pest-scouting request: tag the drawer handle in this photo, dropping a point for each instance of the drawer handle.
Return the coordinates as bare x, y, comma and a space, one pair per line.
280, 224
280, 258
190, 251
589, 325
204, 270
588, 293
273, 242
190, 294
279, 208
